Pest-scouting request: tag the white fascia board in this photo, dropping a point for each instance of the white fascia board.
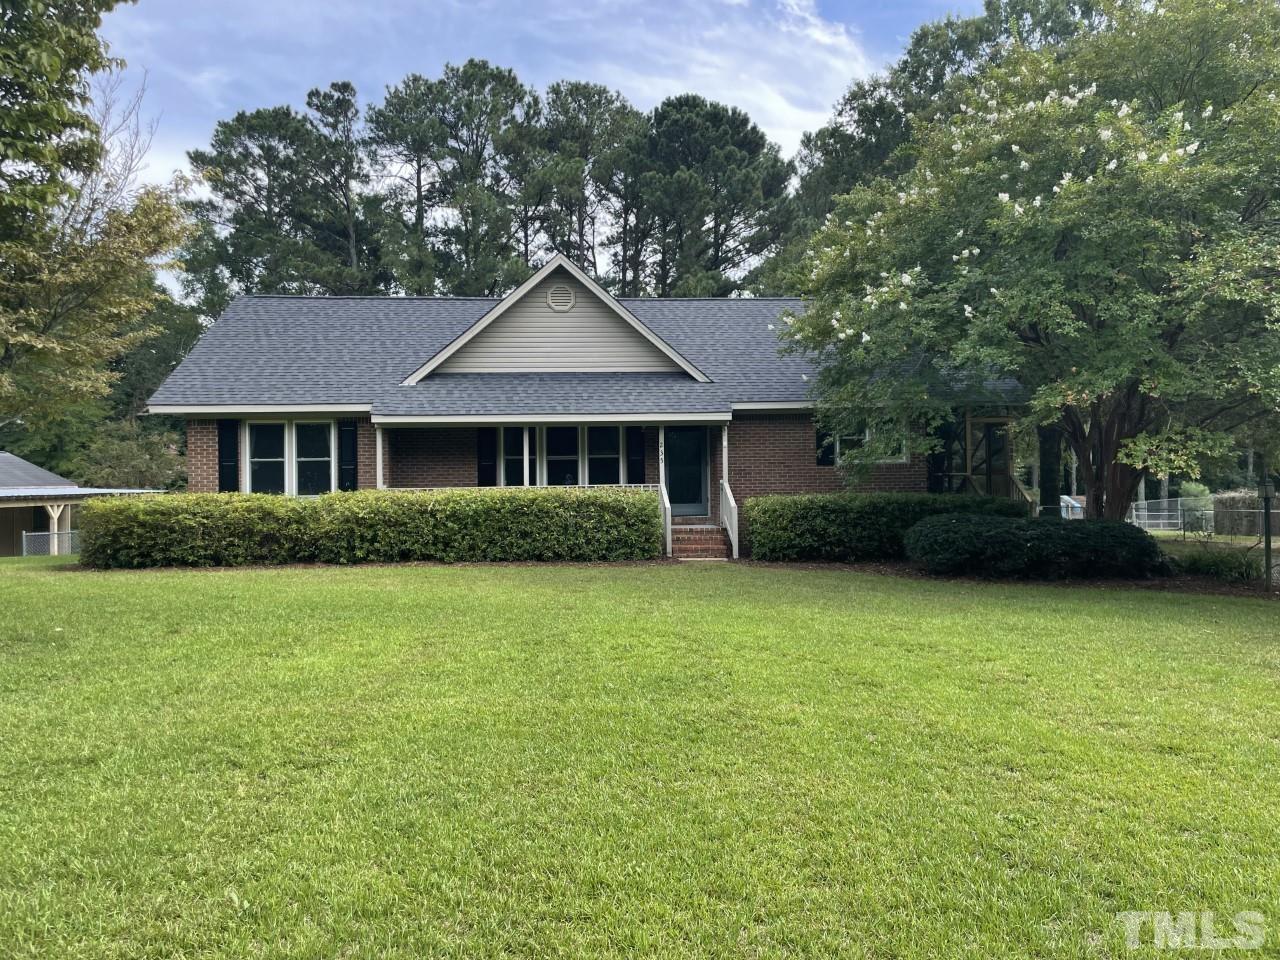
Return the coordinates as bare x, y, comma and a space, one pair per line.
559, 260
261, 409
42, 501
775, 405
498, 418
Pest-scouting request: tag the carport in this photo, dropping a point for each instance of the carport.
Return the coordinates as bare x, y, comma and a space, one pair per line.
38, 506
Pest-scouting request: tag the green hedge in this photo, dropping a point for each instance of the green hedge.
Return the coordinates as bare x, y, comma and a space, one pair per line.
1047, 548
208, 530
846, 527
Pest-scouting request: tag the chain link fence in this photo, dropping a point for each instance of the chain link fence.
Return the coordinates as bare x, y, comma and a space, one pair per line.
63, 543
1202, 516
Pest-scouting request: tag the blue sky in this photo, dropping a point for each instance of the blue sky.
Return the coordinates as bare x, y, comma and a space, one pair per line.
783, 61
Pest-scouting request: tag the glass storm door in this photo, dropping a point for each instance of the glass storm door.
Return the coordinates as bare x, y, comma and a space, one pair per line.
687, 470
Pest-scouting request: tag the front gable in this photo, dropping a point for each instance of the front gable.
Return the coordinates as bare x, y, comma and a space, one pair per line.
558, 321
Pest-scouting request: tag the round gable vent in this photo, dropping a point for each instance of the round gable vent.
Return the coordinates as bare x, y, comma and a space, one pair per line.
560, 298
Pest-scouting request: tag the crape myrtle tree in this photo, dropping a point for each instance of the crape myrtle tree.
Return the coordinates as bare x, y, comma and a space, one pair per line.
873, 120
1096, 221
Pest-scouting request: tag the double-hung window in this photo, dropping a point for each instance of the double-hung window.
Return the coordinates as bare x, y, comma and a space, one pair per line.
519, 454
603, 455
313, 445
266, 458
562, 456
290, 458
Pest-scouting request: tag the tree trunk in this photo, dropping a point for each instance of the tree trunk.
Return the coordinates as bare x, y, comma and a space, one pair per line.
1050, 468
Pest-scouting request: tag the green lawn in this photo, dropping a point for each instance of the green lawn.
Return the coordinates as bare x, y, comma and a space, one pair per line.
668, 760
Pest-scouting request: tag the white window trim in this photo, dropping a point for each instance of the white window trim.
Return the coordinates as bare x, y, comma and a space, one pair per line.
904, 457
333, 453
539, 470
246, 461
527, 433
290, 453
620, 456
545, 460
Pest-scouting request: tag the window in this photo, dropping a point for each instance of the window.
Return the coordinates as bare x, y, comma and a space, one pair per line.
266, 457
826, 449
513, 456
830, 451
562, 456
603, 455
487, 457
635, 454
313, 458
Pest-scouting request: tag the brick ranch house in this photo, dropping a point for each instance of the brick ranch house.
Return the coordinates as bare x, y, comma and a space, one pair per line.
557, 383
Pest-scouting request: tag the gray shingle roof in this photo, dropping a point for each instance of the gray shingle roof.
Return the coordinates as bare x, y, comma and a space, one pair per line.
17, 473
358, 350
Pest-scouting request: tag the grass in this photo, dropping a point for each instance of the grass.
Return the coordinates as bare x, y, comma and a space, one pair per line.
669, 760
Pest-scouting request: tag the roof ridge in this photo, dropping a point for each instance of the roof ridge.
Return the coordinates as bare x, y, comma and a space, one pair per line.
711, 299
350, 296
399, 296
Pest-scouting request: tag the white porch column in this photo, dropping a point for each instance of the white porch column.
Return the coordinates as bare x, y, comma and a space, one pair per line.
55, 512
724, 454
662, 456
380, 480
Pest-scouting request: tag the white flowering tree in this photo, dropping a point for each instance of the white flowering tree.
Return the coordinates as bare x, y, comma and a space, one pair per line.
1098, 223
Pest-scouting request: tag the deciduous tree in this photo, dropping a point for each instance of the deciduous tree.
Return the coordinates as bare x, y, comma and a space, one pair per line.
1097, 222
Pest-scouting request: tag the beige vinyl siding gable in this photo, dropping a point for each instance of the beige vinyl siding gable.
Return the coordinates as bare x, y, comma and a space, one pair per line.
530, 337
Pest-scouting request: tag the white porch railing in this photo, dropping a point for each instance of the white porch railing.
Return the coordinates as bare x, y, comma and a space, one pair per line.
664, 504
729, 515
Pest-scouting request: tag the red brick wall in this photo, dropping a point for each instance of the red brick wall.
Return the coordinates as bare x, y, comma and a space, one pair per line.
202, 456
429, 456
650, 454
777, 453
366, 455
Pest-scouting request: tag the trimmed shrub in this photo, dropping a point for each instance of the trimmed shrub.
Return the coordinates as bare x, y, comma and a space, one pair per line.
465, 525
845, 527
1044, 549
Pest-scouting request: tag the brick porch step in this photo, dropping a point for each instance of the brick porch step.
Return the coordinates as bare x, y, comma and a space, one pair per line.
699, 542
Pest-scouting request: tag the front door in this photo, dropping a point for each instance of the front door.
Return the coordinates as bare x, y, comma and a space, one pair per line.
686, 457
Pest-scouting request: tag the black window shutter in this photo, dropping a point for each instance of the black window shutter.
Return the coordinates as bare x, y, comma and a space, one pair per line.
348, 476
486, 456
635, 454
826, 449
228, 456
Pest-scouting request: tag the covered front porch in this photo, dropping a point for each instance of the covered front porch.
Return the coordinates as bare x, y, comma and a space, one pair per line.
684, 461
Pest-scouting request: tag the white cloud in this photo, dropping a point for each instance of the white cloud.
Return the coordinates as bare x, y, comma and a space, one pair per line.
781, 61
784, 64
